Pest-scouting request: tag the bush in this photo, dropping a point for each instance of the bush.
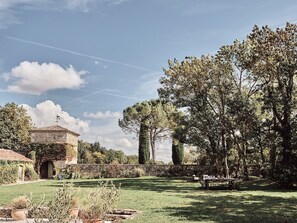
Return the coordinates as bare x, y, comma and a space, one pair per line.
98, 202
59, 207
136, 172
9, 173
37, 210
30, 173
75, 175
21, 202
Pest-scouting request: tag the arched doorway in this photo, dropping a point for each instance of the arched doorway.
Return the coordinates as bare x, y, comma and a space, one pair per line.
47, 170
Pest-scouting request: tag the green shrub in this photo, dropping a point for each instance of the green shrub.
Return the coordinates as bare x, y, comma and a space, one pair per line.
37, 209
126, 173
9, 173
99, 201
138, 172
75, 175
30, 173
59, 207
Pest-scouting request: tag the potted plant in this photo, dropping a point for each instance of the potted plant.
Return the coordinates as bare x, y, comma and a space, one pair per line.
19, 208
74, 208
98, 202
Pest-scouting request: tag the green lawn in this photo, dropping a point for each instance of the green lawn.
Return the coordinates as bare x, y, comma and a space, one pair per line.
176, 200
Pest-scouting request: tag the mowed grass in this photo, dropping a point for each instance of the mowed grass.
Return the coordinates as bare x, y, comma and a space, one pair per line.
177, 200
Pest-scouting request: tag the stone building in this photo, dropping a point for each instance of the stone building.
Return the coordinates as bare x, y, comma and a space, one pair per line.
58, 148
11, 156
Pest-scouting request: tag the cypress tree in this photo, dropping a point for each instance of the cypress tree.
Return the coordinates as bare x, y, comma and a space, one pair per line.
143, 149
177, 152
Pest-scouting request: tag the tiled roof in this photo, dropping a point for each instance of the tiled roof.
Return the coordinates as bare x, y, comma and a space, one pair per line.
6, 154
53, 128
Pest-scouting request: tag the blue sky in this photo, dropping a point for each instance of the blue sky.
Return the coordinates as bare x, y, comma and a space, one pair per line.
87, 60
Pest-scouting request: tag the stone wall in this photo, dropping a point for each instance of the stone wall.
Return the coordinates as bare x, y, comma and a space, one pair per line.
5, 212
122, 170
49, 137
54, 137
105, 170
72, 139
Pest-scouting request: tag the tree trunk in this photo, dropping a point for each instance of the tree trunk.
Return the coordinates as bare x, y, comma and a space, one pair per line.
286, 145
273, 158
244, 158
261, 150
153, 146
225, 154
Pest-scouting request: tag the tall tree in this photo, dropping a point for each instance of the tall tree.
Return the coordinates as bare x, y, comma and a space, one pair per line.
155, 115
177, 152
242, 104
143, 146
14, 127
273, 62
202, 86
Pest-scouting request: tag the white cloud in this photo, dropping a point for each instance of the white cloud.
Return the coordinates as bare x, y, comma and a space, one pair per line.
45, 113
34, 78
103, 115
126, 143
108, 133
82, 5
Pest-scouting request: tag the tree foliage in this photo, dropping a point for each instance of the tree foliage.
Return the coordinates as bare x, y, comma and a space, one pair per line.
240, 104
177, 152
14, 127
94, 153
273, 64
144, 146
158, 116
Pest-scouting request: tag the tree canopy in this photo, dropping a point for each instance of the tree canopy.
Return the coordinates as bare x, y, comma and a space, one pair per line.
158, 116
14, 127
241, 103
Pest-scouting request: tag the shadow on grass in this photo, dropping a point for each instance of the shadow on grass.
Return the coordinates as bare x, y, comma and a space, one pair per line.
243, 209
171, 184
145, 184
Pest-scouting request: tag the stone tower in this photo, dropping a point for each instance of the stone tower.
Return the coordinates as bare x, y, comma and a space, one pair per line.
55, 136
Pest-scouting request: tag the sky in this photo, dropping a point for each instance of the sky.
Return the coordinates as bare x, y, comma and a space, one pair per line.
87, 60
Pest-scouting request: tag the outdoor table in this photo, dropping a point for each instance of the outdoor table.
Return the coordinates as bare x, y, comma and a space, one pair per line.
230, 180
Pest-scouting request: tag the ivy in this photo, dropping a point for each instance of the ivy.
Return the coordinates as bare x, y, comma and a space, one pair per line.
51, 151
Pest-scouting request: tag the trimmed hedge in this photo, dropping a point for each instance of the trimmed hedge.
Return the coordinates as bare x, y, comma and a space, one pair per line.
9, 173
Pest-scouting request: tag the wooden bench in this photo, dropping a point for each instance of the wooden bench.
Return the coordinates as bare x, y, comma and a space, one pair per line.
206, 180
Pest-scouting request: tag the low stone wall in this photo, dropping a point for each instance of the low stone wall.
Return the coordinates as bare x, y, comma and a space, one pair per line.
121, 170
5, 212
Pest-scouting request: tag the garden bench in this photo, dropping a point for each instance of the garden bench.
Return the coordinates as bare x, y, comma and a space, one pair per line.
206, 180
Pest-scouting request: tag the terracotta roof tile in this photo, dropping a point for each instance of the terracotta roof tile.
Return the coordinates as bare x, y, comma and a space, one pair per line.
6, 154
